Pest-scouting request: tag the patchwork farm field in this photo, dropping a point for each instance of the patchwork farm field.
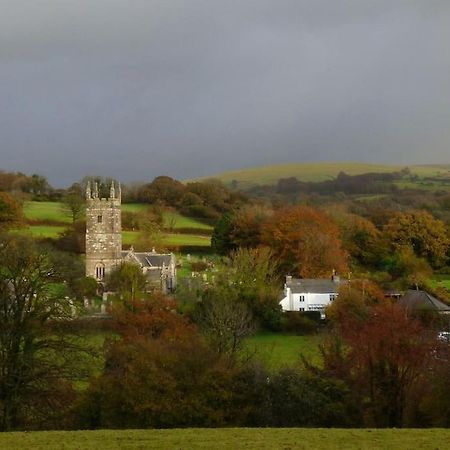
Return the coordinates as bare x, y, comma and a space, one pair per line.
55, 212
231, 438
317, 172
49, 219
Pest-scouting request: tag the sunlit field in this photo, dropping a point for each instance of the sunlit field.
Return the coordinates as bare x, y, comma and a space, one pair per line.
317, 172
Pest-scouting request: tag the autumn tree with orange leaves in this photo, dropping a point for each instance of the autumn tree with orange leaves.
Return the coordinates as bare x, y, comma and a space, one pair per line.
11, 214
306, 242
159, 372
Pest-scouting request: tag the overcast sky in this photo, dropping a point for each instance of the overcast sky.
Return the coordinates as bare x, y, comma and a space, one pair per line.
138, 88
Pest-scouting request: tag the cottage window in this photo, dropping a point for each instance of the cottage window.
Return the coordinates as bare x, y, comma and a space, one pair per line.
332, 297
302, 298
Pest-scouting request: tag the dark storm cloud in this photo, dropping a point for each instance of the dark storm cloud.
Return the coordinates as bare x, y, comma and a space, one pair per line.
138, 88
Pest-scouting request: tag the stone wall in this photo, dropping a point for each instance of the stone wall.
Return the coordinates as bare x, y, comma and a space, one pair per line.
103, 234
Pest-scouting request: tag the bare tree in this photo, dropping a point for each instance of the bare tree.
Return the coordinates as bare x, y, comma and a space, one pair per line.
225, 319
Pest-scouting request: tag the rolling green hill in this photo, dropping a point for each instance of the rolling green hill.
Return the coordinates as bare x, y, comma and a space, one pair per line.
318, 172
231, 438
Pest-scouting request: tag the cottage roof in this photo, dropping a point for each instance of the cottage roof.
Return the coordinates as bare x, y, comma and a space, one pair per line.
422, 300
314, 285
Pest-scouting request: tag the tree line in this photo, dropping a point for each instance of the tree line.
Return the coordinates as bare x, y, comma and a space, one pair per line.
166, 366
396, 249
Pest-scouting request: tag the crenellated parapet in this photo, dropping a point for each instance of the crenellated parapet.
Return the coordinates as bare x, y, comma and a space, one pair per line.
92, 193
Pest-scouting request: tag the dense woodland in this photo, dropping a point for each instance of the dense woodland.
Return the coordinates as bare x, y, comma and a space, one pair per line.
181, 360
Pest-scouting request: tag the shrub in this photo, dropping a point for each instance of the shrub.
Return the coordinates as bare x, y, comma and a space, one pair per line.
300, 322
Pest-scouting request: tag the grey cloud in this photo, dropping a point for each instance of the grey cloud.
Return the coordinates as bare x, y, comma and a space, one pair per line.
138, 88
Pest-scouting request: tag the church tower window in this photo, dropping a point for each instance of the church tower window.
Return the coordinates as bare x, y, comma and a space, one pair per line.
100, 272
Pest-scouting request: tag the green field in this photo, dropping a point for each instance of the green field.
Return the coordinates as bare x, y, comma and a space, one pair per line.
317, 172
129, 237
441, 281
172, 219
38, 213
52, 211
43, 231
232, 438
55, 212
277, 350
132, 237
175, 220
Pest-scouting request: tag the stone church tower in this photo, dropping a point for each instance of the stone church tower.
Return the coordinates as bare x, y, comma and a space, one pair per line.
103, 232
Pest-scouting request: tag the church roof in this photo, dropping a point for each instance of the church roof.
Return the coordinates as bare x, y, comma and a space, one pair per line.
148, 259
415, 299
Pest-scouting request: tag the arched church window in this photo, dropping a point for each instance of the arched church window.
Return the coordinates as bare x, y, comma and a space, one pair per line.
99, 219
100, 271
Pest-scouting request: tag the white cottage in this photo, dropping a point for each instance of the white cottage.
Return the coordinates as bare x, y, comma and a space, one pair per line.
310, 294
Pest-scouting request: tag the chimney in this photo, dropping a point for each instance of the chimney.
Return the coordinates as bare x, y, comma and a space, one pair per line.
288, 279
336, 278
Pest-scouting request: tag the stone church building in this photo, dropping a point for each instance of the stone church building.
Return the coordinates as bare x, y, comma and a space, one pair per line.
104, 243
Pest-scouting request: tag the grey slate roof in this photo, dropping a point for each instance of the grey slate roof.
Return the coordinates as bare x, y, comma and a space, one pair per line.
314, 285
422, 300
149, 259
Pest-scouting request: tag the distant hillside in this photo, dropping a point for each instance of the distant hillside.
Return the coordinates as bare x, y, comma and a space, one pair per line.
318, 172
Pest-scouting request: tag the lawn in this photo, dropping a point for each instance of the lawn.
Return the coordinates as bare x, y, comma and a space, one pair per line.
231, 438
278, 350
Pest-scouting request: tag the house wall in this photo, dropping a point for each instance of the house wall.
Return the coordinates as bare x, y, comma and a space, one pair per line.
310, 302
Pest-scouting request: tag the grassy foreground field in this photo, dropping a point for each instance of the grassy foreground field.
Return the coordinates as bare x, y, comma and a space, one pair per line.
231, 438
318, 172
